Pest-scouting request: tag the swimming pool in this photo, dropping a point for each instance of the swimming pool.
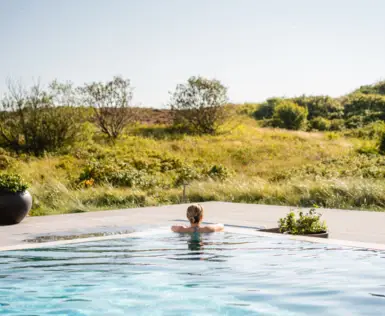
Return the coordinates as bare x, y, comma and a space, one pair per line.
171, 274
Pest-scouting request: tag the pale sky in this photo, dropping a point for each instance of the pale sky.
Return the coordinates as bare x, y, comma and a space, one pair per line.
257, 48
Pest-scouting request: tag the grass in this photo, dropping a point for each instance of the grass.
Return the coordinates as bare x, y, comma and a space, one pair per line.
267, 166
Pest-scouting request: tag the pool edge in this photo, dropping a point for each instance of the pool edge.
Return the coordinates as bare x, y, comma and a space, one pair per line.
248, 231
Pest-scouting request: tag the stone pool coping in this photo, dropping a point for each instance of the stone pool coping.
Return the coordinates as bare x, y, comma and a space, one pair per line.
347, 228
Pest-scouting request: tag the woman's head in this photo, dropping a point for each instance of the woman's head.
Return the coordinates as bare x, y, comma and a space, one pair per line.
195, 213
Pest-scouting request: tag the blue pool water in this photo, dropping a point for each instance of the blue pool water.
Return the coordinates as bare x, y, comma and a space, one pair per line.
171, 274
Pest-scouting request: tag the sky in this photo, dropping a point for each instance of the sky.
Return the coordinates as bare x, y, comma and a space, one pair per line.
257, 48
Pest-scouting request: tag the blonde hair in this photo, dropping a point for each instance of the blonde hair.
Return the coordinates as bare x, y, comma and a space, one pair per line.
195, 213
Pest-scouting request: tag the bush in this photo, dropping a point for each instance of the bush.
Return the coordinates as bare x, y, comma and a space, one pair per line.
5, 162
266, 110
187, 174
321, 106
31, 122
368, 107
12, 183
320, 124
308, 223
373, 130
355, 121
289, 115
382, 145
199, 105
337, 125
219, 172
377, 88
247, 109
115, 174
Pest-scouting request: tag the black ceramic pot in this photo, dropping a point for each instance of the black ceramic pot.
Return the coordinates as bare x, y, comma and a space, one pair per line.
276, 230
14, 207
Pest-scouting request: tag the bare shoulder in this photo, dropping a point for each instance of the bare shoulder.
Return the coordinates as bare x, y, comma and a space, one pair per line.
213, 228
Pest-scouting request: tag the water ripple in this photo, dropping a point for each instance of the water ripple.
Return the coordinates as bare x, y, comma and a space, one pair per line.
171, 274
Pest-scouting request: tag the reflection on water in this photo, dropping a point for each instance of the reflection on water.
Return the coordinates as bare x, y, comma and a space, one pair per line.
195, 242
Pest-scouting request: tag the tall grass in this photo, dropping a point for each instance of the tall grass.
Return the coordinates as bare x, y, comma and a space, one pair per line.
269, 166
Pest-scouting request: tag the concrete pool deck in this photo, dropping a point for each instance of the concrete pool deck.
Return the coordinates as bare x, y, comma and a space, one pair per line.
355, 227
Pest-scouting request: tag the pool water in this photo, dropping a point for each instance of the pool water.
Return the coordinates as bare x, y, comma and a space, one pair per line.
211, 274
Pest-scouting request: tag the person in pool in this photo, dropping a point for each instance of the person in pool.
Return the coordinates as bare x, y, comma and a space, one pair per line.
195, 216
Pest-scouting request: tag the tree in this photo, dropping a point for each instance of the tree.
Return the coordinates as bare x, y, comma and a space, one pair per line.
199, 105
111, 102
289, 115
30, 121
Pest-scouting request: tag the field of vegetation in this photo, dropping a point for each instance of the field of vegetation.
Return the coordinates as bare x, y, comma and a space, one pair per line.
313, 151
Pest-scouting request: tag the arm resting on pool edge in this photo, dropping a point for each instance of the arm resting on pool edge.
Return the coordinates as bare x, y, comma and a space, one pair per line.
214, 228
178, 229
205, 229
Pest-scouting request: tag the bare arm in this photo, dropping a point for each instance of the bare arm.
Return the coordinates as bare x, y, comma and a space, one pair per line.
177, 229
213, 228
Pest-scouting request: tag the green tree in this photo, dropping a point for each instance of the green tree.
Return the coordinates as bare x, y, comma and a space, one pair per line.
199, 105
289, 115
31, 121
111, 102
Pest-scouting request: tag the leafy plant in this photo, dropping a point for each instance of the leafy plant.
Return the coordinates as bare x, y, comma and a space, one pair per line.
12, 183
266, 110
111, 103
199, 105
219, 172
382, 145
289, 115
36, 120
186, 174
305, 223
321, 106
320, 124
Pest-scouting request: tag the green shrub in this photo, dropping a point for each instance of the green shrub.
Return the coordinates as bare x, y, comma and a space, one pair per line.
369, 107
266, 110
355, 121
320, 124
289, 115
337, 124
5, 162
377, 88
187, 174
12, 183
248, 109
31, 121
219, 172
308, 223
321, 106
373, 130
368, 148
115, 174
382, 145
